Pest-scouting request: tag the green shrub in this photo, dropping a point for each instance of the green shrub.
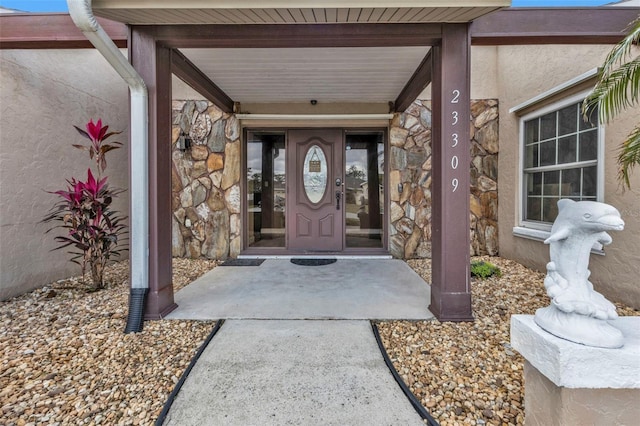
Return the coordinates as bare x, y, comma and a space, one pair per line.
483, 270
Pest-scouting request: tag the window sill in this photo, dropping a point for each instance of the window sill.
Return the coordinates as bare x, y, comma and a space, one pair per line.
540, 235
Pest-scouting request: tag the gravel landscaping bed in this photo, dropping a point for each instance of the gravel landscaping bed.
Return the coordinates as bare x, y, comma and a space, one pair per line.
467, 373
65, 360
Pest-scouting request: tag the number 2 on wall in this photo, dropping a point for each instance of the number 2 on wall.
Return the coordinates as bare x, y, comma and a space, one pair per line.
456, 96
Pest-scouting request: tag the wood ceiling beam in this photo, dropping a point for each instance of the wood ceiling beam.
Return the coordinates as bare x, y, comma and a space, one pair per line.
299, 35
521, 26
420, 79
185, 70
52, 31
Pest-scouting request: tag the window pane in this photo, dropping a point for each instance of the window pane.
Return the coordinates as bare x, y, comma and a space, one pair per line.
363, 199
589, 145
567, 149
592, 122
549, 209
548, 126
531, 156
531, 132
589, 181
548, 153
266, 189
551, 183
568, 120
570, 183
534, 184
533, 208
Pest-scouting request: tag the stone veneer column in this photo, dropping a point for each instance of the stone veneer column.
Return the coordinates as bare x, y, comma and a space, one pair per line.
570, 384
450, 287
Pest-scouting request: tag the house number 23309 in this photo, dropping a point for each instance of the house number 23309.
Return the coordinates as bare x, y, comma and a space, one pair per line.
454, 138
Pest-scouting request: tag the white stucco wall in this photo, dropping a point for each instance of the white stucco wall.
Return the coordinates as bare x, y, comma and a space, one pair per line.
43, 93
523, 73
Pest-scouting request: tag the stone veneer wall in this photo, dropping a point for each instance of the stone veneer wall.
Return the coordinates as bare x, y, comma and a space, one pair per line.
410, 166
206, 182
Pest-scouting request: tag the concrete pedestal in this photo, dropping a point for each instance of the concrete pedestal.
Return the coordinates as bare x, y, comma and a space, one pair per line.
571, 384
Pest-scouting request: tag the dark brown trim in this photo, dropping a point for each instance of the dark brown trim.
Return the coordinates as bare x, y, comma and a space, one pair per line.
52, 31
601, 25
450, 159
298, 35
153, 63
420, 79
185, 70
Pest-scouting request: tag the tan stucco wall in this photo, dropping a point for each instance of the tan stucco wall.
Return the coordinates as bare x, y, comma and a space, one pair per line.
523, 73
43, 93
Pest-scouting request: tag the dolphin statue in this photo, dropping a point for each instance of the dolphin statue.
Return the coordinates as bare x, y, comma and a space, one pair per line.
578, 227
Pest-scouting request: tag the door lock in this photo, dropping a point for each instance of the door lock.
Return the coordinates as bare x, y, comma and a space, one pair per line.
338, 196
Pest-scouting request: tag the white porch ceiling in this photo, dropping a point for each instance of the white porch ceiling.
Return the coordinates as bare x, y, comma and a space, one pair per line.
293, 11
368, 75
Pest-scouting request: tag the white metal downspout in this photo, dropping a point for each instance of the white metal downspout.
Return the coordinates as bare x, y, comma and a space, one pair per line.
82, 15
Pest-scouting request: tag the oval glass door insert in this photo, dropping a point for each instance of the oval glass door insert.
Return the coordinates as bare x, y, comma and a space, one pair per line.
315, 174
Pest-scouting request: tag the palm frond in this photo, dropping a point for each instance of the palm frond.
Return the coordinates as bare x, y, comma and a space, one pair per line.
608, 93
628, 157
617, 91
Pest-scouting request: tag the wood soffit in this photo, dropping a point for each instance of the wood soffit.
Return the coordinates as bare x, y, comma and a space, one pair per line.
602, 25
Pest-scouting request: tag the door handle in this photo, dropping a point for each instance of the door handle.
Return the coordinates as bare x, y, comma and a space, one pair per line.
338, 196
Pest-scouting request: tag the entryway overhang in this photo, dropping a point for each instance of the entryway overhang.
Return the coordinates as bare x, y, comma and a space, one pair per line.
290, 52
361, 54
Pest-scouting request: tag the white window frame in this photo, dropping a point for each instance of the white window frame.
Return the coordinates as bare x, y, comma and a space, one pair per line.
537, 230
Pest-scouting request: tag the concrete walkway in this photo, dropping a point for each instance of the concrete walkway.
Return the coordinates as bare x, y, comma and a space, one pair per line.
299, 349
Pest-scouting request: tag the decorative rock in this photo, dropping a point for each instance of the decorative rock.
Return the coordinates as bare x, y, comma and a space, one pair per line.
394, 181
199, 152
199, 193
397, 212
397, 136
487, 137
231, 173
215, 113
417, 196
203, 211
232, 129
422, 138
425, 118
217, 139
200, 129
412, 243
201, 106
187, 116
185, 197
199, 169
405, 225
415, 157
205, 181
398, 160
232, 198
216, 200
215, 162
180, 214
485, 116
410, 121
235, 247
216, 178
410, 211
177, 242
396, 246
234, 226
475, 206
491, 240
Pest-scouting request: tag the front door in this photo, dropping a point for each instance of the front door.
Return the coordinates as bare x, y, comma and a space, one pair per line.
316, 211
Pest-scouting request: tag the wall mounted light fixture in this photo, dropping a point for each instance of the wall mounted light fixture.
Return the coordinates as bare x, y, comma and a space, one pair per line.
184, 142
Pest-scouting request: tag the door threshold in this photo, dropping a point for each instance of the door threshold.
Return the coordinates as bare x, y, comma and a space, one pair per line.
315, 256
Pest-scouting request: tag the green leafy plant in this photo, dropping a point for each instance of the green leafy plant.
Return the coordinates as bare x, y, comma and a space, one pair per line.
617, 89
92, 229
484, 270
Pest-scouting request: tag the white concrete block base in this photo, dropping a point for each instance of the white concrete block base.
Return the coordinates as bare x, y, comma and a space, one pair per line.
571, 384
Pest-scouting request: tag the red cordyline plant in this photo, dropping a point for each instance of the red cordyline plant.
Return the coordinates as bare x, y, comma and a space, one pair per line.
92, 228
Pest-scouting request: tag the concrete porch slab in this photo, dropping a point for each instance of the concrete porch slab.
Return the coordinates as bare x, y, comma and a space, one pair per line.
348, 289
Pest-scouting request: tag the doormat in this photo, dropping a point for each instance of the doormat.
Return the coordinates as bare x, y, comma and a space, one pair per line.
242, 262
313, 262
